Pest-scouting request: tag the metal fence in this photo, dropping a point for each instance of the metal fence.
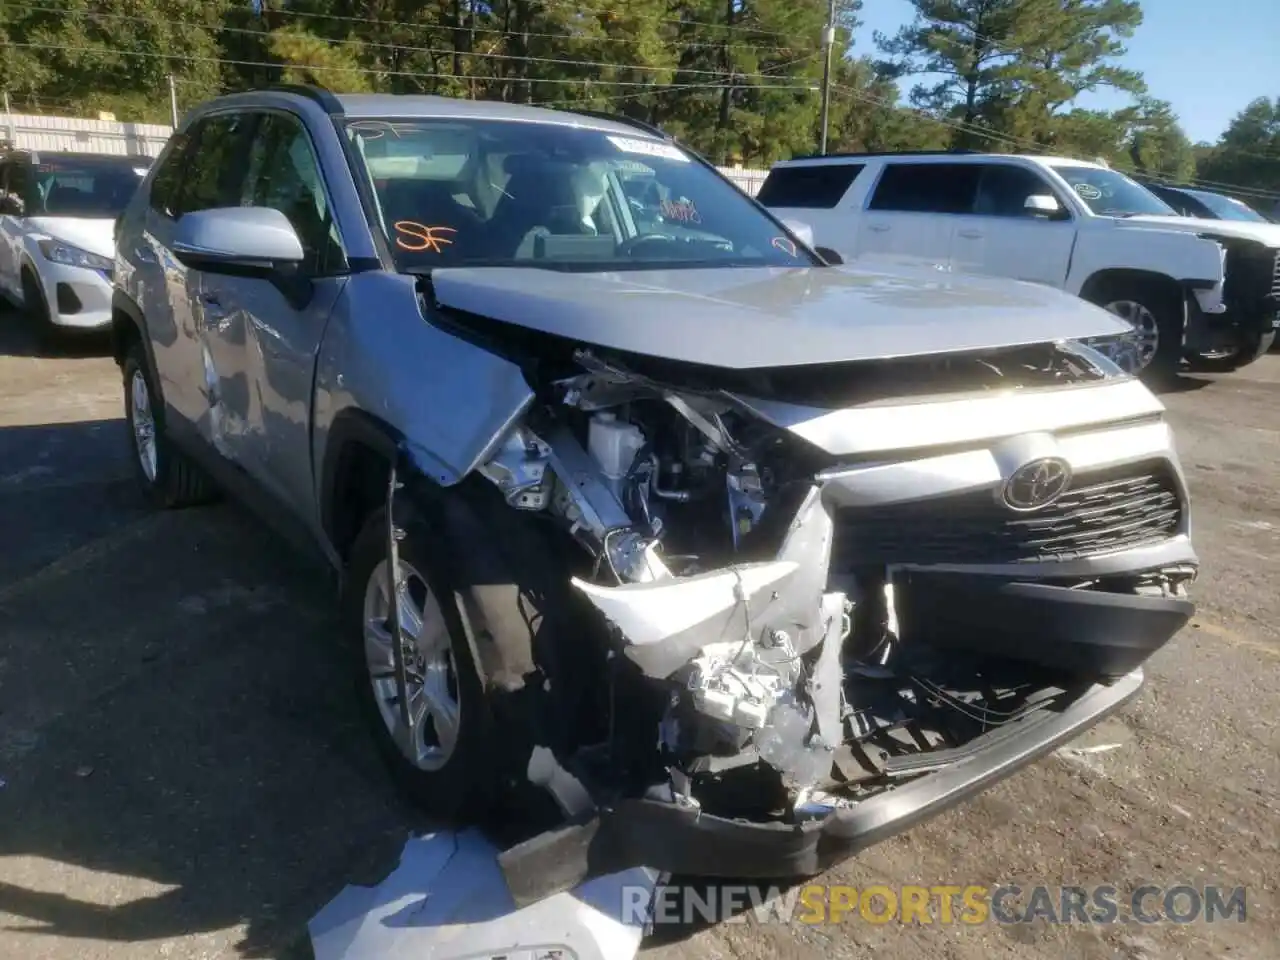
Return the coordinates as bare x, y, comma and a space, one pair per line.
25, 131
747, 179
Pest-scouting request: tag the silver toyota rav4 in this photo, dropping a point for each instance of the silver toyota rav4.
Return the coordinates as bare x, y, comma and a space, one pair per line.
655, 527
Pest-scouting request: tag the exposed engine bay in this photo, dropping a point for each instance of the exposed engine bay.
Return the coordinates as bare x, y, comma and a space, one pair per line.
753, 646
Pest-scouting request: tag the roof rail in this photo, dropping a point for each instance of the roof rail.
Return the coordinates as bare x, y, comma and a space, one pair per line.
888, 153
319, 94
620, 118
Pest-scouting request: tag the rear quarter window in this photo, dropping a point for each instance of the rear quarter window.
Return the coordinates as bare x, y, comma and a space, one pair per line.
816, 187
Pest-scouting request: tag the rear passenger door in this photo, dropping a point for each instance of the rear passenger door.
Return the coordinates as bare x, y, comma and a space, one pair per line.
912, 211
1001, 238
200, 169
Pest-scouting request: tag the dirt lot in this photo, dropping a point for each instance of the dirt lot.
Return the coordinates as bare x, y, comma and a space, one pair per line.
181, 774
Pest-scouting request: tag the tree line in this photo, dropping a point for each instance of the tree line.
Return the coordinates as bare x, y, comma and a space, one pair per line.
739, 80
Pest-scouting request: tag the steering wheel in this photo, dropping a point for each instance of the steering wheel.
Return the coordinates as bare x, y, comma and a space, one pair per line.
628, 247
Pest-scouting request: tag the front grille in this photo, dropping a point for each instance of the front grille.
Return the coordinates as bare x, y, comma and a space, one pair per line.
1102, 511
1252, 273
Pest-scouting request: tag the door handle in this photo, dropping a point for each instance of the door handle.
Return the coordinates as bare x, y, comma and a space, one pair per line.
879, 228
971, 234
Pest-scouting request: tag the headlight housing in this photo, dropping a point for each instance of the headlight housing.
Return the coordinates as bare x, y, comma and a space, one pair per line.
55, 251
1121, 350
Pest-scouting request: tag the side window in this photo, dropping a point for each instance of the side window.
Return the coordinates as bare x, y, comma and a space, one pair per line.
215, 163
926, 188
285, 175
168, 179
814, 187
1004, 190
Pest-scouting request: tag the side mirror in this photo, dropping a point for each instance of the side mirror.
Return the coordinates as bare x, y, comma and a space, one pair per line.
237, 239
831, 256
801, 231
1042, 204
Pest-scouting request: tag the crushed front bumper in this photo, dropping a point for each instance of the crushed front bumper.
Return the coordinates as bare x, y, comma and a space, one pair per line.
680, 839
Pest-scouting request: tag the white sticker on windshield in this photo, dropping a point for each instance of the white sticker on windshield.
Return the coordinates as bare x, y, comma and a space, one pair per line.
649, 148
1088, 191
140, 171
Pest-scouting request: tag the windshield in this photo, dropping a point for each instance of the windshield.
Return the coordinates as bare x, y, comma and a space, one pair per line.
1228, 208
502, 193
70, 186
1111, 194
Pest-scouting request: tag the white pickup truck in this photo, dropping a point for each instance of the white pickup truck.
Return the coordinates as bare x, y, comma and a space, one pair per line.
1203, 291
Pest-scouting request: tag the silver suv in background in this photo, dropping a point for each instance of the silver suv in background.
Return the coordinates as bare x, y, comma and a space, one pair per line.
653, 529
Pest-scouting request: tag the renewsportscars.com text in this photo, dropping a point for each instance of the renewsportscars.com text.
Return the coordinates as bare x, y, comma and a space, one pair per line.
937, 904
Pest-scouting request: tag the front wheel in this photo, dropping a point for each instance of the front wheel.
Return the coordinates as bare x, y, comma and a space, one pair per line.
1156, 316
440, 749
36, 309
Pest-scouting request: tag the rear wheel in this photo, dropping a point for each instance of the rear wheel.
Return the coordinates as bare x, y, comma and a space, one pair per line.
1241, 354
167, 478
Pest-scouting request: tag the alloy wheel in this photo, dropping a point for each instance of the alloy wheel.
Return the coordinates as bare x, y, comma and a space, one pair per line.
430, 680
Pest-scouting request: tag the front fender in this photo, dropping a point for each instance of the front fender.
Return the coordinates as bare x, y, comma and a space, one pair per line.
449, 400
1186, 258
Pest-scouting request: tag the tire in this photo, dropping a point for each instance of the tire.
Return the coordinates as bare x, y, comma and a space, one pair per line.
1156, 312
166, 477
36, 309
1245, 353
501, 714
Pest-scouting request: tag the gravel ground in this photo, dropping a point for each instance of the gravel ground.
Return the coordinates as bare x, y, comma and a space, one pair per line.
182, 775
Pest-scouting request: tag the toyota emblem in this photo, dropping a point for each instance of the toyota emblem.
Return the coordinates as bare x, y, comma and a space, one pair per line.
1037, 484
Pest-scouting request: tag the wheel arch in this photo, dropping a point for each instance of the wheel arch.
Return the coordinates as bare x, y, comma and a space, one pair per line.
1110, 278
128, 326
359, 451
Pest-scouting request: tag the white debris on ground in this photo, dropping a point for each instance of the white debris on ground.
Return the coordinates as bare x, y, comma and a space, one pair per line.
448, 900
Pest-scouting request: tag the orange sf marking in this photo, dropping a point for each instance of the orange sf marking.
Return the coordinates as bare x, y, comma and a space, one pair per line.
785, 245
421, 237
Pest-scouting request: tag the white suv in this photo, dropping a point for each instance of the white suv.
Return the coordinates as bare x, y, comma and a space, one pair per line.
1205, 291
57, 213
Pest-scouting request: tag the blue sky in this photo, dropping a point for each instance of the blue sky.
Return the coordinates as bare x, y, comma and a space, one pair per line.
1208, 59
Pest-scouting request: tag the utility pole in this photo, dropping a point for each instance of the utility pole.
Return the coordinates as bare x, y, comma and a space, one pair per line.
173, 101
828, 41
8, 116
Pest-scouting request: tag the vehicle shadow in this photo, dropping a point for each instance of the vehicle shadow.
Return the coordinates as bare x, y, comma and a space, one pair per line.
19, 338
1182, 383
179, 753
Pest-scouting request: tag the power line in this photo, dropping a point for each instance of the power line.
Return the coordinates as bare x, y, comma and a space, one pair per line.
370, 71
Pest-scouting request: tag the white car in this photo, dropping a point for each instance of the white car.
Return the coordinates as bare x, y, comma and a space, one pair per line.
1205, 291
57, 215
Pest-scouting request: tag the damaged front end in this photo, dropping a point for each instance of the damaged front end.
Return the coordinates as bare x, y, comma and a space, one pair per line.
842, 600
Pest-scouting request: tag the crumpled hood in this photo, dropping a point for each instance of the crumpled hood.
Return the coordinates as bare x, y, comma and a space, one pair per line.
1268, 233
756, 317
94, 234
